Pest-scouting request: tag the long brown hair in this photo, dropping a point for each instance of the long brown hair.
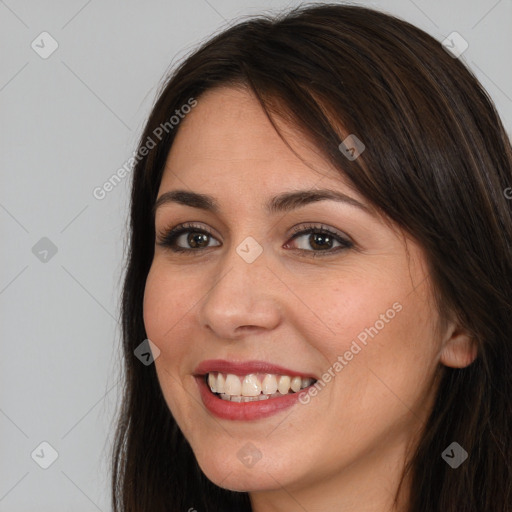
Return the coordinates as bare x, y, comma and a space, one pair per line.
437, 162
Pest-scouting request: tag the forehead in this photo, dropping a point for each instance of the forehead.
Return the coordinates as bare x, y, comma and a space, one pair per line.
227, 137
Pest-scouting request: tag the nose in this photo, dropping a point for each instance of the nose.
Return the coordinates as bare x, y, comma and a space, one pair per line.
242, 297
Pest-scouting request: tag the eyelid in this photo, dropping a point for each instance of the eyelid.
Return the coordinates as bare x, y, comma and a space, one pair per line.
299, 228
302, 228
167, 237
164, 232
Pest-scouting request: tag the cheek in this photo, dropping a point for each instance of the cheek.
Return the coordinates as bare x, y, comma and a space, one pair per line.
368, 329
155, 303
168, 297
165, 306
390, 359
357, 306
170, 300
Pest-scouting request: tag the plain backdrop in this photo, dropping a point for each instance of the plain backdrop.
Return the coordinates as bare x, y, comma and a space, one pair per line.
69, 120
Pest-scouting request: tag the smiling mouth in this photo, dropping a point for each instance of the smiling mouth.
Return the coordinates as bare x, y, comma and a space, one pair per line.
254, 387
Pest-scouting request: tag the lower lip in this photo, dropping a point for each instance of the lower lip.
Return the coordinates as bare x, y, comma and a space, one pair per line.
244, 411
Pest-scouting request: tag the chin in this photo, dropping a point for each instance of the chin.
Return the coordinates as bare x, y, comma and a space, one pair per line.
243, 481
229, 473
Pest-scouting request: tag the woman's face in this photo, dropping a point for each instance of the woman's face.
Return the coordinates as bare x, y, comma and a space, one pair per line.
258, 299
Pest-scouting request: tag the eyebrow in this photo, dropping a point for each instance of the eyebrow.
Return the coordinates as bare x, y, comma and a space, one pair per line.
281, 203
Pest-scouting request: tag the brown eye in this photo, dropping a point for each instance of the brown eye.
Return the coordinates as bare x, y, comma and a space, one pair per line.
186, 238
319, 240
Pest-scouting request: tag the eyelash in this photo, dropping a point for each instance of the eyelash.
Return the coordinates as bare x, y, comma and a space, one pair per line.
167, 238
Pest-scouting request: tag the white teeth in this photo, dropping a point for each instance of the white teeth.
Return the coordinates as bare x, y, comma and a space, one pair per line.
232, 386
295, 384
269, 384
221, 383
283, 385
251, 385
212, 382
255, 387
305, 383
230, 398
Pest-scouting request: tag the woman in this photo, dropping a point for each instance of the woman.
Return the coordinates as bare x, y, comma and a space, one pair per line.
320, 254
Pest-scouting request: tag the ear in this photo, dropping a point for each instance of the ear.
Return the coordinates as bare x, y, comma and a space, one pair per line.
459, 348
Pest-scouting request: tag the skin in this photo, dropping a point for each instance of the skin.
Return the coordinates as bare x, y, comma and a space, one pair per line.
345, 449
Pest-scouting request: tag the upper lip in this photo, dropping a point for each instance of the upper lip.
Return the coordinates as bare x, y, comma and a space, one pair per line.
245, 368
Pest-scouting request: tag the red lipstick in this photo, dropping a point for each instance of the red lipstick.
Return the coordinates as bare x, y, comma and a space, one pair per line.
245, 411
246, 367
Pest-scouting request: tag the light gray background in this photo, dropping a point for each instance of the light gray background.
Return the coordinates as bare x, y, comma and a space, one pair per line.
68, 123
